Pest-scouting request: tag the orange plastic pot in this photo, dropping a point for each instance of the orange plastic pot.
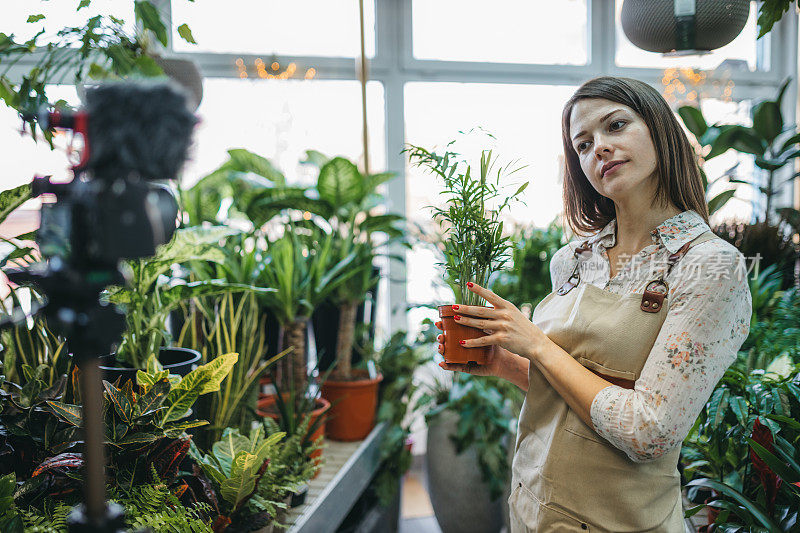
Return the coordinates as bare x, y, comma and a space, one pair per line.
353, 407
454, 332
266, 387
266, 407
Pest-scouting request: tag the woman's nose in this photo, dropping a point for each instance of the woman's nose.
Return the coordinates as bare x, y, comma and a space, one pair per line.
601, 147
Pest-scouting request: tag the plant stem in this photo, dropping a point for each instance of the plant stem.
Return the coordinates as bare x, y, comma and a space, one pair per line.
344, 341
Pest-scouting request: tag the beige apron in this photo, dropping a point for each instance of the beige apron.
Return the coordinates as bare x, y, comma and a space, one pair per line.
566, 477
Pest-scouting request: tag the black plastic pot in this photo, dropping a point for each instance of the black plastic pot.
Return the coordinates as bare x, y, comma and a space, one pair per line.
299, 497
325, 323
273, 331
178, 361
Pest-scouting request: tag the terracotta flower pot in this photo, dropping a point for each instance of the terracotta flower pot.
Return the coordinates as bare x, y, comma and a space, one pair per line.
712, 512
266, 387
455, 332
353, 407
266, 407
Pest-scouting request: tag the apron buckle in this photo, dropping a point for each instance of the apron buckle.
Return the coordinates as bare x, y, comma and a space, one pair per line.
653, 298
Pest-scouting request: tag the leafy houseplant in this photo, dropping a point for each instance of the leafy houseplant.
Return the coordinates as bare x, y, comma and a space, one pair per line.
290, 466
773, 144
235, 466
137, 421
474, 245
528, 279
719, 451
767, 243
225, 324
294, 408
469, 429
352, 201
146, 506
29, 431
150, 295
33, 344
230, 322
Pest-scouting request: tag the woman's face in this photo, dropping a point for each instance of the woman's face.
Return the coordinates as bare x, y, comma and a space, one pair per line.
614, 148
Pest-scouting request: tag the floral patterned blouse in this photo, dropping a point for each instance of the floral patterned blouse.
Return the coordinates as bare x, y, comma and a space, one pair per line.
707, 321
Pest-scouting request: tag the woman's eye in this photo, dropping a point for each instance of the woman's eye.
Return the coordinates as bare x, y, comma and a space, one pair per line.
581, 146
621, 122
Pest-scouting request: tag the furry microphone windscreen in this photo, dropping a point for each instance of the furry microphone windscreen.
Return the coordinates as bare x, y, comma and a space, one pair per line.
138, 129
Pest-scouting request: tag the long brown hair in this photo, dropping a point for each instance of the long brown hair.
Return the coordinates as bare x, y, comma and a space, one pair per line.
679, 180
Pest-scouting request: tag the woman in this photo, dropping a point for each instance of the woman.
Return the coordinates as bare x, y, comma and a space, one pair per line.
644, 318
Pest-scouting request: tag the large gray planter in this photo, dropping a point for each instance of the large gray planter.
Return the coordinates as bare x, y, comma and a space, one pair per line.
459, 496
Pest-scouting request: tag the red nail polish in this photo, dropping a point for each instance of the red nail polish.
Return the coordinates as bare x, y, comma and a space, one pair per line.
457, 317
462, 342
455, 308
470, 284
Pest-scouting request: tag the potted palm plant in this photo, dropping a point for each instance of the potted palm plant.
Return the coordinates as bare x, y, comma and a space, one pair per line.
348, 202
353, 202
299, 269
474, 245
353, 393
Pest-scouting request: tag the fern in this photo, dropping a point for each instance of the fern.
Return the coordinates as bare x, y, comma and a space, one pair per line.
51, 519
154, 506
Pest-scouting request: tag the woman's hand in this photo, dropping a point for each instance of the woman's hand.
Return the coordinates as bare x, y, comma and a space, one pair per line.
499, 363
496, 360
508, 328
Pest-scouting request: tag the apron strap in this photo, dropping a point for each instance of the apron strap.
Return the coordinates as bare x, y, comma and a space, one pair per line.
575, 278
656, 290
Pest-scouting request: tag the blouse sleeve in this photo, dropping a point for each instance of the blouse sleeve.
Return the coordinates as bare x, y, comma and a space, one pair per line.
706, 324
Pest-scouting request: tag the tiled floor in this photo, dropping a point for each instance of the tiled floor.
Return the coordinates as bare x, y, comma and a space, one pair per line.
416, 513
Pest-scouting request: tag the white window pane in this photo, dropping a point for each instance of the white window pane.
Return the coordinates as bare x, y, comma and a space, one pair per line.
58, 14
22, 157
328, 28
280, 120
526, 121
740, 207
506, 31
741, 51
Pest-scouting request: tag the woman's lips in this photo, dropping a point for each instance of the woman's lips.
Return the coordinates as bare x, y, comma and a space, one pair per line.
614, 168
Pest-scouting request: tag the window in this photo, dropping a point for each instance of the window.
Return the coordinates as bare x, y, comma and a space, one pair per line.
22, 157
739, 207
280, 120
504, 31
739, 53
326, 28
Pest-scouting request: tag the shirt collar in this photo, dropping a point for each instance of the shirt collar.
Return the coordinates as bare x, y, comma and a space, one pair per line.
673, 232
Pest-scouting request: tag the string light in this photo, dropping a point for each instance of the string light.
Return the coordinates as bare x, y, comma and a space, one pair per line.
276, 74
242, 69
685, 84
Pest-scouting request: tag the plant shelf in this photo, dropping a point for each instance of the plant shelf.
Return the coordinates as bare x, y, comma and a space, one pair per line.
347, 470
